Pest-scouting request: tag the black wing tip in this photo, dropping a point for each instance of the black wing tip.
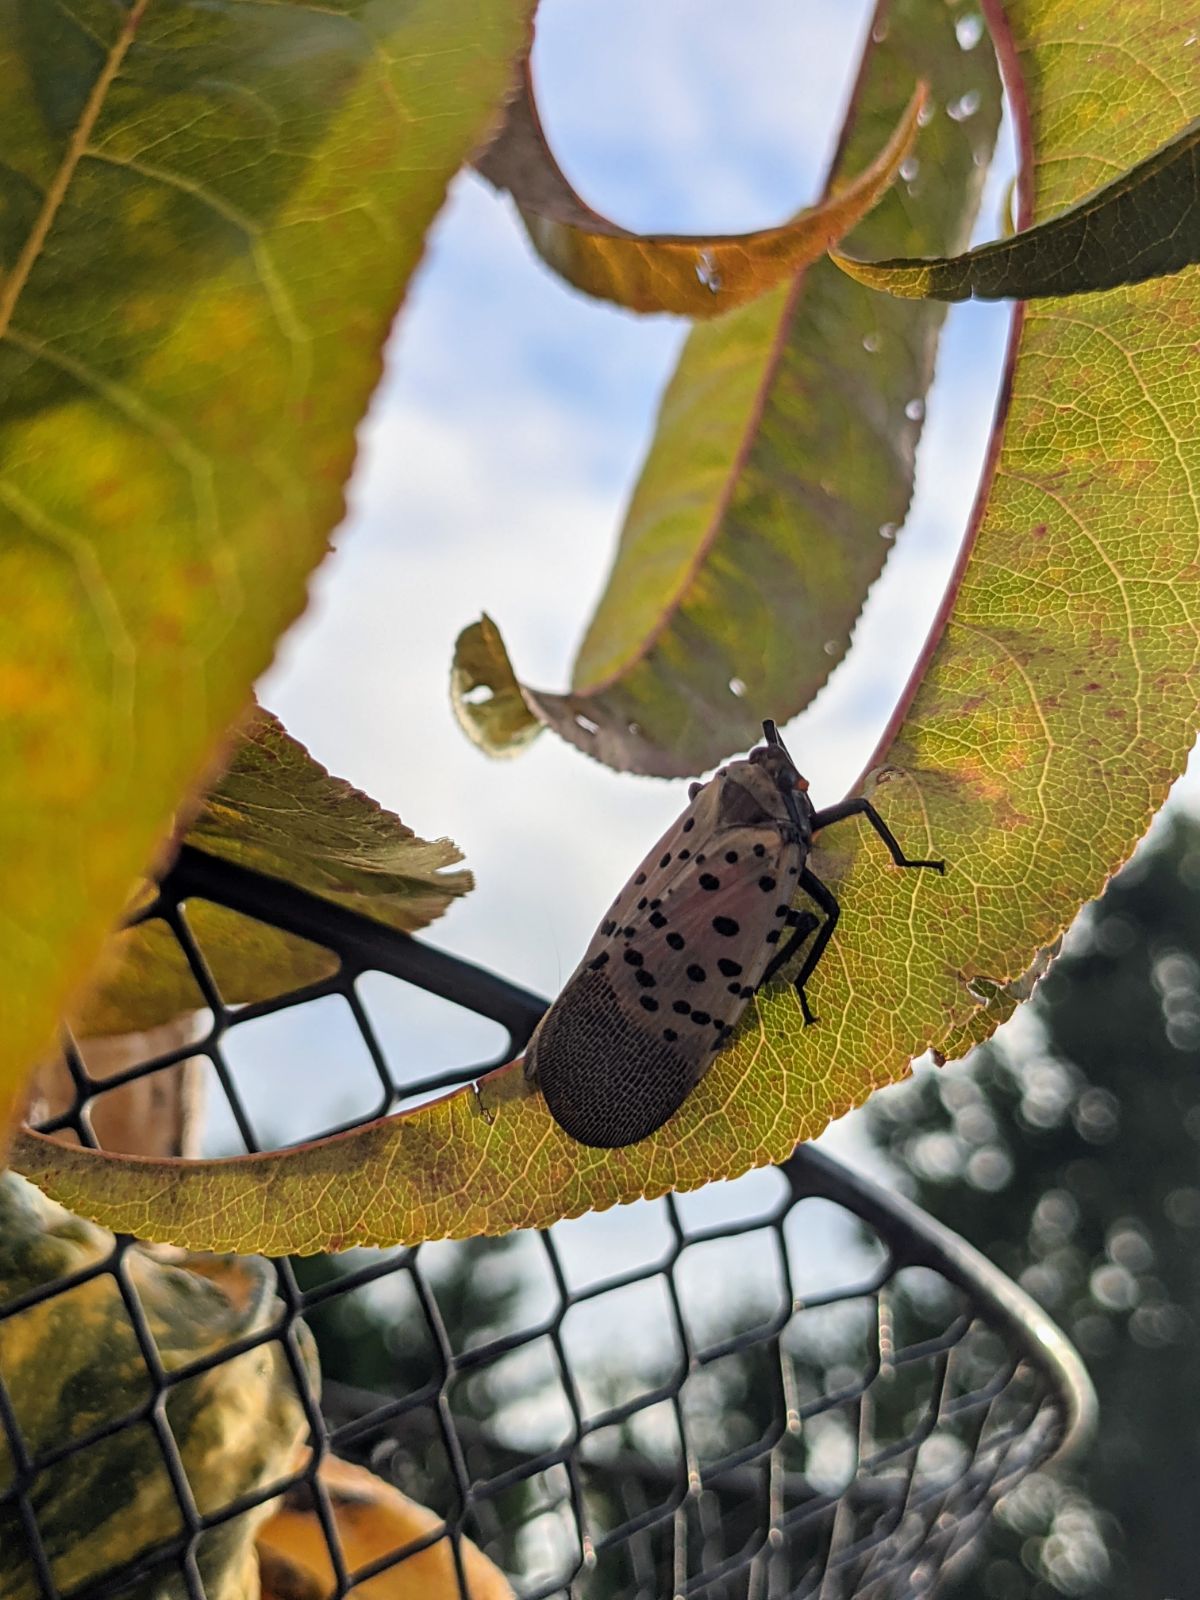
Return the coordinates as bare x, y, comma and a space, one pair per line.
770, 732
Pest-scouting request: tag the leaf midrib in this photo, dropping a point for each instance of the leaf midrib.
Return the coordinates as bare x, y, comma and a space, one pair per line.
10, 293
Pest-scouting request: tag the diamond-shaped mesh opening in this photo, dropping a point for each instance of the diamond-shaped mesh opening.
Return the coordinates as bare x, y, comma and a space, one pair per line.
791, 1385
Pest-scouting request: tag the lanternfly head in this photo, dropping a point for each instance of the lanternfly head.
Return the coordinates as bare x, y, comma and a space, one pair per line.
773, 755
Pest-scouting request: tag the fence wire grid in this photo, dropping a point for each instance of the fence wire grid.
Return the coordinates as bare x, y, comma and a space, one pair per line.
796, 1385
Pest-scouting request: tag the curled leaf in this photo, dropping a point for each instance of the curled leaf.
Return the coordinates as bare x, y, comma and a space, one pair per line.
1144, 225
780, 471
689, 276
494, 710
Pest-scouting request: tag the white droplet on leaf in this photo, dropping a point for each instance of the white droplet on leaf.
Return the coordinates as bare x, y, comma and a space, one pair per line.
909, 168
737, 687
706, 272
888, 530
964, 107
832, 646
871, 343
915, 410
968, 31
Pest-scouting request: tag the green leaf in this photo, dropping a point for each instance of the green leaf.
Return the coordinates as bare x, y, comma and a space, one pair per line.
279, 812
784, 449
209, 216
1054, 709
493, 708
690, 276
1144, 225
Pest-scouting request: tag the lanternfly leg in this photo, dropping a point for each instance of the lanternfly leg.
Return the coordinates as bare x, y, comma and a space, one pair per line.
802, 924
864, 808
816, 890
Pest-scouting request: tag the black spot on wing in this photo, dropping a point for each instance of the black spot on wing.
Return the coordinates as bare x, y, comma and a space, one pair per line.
726, 927
730, 968
645, 980
657, 920
600, 961
697, 973
633, 958
676, 941
689, 825
709, 881
609, 1078
648, 1002
766, 883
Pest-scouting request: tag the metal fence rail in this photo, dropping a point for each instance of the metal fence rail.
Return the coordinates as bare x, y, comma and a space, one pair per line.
840, 1438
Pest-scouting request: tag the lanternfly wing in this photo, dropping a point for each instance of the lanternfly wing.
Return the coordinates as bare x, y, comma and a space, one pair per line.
671, 968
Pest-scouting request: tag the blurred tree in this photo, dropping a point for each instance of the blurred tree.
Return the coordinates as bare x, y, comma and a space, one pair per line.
1067, 1150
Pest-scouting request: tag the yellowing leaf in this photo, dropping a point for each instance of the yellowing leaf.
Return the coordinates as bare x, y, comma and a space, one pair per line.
1146, 224
692, 277
210, 214
1055, 707
780, 471
279, 812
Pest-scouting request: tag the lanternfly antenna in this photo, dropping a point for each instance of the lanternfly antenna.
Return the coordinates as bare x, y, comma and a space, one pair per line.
771, 734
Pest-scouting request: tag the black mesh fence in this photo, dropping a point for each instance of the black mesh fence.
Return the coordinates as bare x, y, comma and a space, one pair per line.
794, 1385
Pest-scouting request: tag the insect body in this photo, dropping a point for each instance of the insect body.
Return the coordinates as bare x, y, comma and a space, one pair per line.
703, 923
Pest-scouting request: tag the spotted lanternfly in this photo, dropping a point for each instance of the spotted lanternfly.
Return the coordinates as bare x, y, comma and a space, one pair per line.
704, 922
